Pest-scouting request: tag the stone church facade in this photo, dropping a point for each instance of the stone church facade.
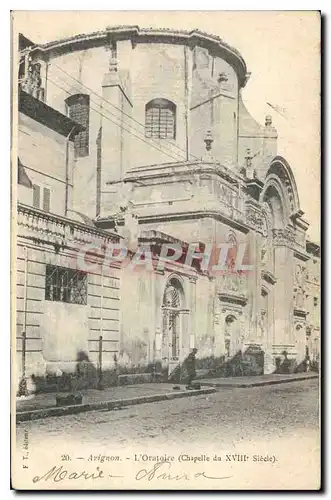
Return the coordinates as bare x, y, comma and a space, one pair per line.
157, 149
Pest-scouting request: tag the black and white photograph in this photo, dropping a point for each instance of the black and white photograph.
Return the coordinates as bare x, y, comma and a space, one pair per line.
165, 294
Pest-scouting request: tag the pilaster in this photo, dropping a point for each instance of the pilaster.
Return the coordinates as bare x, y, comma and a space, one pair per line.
254, 283
115, 127
283, 296
192, 306
158, 281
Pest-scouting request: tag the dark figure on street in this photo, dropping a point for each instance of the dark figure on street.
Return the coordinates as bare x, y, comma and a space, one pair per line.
190, 366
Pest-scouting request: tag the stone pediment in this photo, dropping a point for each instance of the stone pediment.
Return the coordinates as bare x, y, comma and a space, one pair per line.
300, 313
233, 298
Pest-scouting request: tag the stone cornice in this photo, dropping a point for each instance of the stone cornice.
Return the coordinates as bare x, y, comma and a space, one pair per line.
147, 219
299, 221
232, 298
145, 35
153, 236
313, 248
164, 170
301, 255
198, 214
299, 313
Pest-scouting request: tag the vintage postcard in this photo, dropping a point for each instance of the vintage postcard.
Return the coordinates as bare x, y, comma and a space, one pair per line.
166, 250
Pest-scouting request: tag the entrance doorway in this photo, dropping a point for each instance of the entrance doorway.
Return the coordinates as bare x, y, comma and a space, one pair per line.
172, 308
231, 337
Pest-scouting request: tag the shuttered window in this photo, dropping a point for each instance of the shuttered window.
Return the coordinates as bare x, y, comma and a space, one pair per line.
41, 197
36, 196
160, 119
47, 200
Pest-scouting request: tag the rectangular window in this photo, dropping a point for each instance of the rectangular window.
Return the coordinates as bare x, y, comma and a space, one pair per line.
41, 197
78, 108
65, 285
47, 199
36, 196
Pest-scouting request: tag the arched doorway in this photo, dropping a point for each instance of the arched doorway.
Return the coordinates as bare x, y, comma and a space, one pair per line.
277, 259
172, 323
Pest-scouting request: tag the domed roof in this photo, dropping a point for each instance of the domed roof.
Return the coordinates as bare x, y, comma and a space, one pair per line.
141, 35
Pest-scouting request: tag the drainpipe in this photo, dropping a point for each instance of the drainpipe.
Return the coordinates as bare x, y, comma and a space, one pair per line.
67, 171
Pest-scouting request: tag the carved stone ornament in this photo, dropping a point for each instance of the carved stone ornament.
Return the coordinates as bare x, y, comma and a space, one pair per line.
32, 81
255, 219
283, 237
264, 255
112, 63
298, 297
299, 274
233, 282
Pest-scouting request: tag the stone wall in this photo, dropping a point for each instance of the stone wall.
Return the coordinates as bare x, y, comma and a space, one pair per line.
57, 332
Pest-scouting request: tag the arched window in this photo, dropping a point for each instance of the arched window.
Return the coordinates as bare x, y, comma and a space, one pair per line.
78, 109
160, 119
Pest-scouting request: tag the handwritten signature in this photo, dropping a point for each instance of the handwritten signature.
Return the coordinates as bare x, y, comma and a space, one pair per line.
154, 473
159, 471
58, 473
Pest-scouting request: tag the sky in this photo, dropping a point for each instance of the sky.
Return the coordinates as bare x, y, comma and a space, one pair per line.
281, 50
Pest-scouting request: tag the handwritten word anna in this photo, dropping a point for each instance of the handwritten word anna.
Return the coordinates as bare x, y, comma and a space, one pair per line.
160, 471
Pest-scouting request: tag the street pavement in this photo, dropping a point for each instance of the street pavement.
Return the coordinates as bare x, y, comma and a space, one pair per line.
277, 420
226, 416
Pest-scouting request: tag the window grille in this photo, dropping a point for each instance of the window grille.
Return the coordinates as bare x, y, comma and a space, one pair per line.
78, 109
65, 285
160, 119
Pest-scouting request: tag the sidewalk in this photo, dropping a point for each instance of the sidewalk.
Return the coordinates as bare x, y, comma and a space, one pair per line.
256, 381
44, 405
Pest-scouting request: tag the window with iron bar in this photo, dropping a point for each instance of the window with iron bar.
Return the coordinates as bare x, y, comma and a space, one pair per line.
160, 119
78, 109
65, 285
